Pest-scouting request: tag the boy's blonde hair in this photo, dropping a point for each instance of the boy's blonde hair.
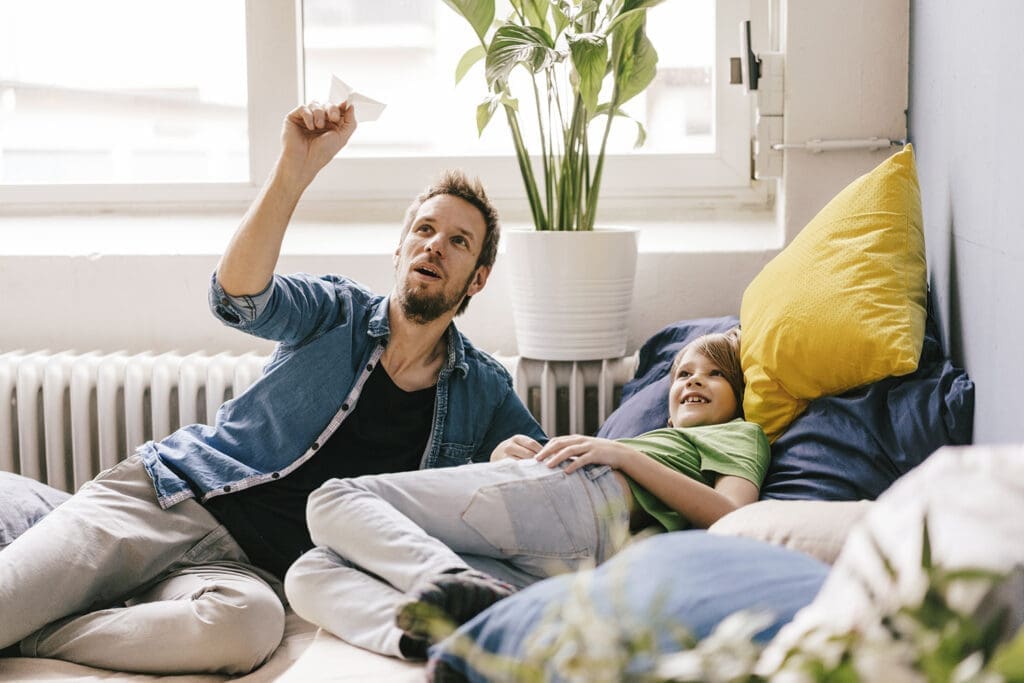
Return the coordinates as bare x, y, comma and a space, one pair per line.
723, 349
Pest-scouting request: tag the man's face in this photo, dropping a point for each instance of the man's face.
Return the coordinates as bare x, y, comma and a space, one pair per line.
435, 265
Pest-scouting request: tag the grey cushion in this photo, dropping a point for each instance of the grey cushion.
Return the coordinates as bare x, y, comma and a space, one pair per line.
23, 502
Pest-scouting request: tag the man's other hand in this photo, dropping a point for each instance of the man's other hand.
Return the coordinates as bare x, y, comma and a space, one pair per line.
519, 447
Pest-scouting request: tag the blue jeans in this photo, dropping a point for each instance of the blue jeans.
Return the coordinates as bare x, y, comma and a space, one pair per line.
380, 536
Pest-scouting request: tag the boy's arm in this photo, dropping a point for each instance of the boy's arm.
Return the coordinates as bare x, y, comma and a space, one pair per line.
701, 504
694, 500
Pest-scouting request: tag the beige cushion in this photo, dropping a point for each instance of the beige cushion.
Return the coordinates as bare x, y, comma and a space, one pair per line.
815, 527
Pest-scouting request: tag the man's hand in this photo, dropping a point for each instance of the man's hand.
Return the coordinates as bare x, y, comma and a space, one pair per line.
519, 447
586, 450
312, 135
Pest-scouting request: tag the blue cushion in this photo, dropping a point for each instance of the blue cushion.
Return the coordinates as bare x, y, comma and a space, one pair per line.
689, 578
644, 403
23, 502
844, 447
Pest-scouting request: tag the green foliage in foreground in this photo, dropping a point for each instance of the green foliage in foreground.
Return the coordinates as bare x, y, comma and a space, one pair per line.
929, 641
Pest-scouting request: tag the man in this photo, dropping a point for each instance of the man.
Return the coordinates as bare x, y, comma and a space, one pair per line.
171, 561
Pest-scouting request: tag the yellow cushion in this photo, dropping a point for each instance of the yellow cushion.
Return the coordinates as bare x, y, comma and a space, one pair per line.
844, 304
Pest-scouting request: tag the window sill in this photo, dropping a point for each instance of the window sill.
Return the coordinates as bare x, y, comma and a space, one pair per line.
208, 234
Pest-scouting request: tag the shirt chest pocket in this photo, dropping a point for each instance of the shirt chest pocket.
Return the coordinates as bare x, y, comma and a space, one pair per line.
453, 453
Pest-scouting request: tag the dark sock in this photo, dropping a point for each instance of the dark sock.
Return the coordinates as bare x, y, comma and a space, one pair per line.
439, 671
414, 649
450, 597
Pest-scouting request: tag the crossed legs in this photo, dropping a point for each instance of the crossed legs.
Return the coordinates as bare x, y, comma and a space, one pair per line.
383, 538
110, 579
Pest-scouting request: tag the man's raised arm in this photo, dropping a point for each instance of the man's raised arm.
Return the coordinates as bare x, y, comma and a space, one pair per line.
311, 136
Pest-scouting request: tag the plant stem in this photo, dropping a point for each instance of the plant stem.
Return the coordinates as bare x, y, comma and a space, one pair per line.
544, 154
596, 185
526, 169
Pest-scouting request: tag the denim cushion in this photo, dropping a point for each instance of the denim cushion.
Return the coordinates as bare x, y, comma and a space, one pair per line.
845, 447
687, 578
23, 502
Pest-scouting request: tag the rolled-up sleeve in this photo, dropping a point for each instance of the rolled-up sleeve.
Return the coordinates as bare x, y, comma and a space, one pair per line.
237, 310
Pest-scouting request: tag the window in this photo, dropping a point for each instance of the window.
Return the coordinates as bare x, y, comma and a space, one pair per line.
404, 52
116, 94
121, 91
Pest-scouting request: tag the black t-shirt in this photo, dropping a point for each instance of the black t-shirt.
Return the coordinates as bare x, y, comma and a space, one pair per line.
386, 432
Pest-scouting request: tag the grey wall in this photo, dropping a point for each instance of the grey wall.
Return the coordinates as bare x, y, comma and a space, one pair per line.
966, 121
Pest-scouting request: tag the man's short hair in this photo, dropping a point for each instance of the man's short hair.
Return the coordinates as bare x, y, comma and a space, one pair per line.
457, 184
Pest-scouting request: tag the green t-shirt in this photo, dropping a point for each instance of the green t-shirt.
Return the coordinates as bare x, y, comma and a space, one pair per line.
737, 448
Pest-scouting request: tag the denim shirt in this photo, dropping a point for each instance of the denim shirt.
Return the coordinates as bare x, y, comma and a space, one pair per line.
331, 333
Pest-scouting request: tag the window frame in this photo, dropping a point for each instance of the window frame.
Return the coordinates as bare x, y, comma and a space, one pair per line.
274, 53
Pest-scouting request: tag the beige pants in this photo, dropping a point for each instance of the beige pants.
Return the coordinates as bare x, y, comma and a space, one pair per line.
110, 579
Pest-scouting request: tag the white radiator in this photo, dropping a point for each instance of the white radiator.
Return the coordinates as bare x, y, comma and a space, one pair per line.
68, 416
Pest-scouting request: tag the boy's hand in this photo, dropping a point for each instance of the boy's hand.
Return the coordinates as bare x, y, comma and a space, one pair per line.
585, 450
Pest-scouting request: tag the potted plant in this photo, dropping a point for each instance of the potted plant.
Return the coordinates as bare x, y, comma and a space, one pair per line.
585, 58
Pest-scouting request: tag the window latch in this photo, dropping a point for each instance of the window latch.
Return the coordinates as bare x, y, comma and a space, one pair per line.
762, 74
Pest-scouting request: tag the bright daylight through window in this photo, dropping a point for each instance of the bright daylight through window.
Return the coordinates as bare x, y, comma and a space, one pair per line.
404, 52
122, 91
128, 92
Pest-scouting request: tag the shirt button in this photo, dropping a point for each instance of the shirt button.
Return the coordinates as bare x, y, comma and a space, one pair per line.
344, 406
224, 300
275, 475
369, 366
227, 489
315, 445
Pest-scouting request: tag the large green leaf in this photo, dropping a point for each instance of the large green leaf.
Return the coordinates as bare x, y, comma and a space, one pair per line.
634, 59
513, 45
590, 58
485, 110
641, 132
560, 19
479, 14
472, 56
484, 113
632, 10
584, 14
1009, 659
630, 5
536, 12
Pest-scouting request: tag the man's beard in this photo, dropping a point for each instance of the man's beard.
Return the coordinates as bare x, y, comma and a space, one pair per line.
422, 308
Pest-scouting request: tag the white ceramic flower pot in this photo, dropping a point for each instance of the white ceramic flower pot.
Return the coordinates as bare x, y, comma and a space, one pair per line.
571, 291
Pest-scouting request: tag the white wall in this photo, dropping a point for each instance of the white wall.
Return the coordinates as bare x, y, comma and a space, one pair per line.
965, 110
63, 285
846, 77
146, 287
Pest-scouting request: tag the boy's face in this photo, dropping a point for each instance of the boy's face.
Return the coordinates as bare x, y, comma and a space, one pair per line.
700, 394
